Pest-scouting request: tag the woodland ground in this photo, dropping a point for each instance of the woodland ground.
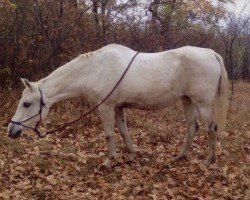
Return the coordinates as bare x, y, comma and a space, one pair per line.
66, 165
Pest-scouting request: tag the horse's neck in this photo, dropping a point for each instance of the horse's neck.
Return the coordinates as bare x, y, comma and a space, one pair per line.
65, 82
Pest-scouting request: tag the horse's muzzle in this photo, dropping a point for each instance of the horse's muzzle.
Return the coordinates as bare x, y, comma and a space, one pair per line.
14, 132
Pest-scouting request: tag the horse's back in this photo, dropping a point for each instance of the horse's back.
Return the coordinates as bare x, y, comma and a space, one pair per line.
155, 80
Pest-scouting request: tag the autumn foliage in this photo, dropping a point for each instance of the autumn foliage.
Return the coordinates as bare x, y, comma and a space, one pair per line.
37, 36
66, 165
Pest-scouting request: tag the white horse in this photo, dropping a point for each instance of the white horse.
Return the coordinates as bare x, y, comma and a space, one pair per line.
195, 75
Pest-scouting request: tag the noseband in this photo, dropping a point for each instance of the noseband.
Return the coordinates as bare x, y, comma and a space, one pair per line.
35, 129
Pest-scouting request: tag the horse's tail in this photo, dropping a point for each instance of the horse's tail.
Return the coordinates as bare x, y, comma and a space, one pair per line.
221, 102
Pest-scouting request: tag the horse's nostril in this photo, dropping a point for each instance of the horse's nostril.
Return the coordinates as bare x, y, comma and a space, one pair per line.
18, 133
14, 134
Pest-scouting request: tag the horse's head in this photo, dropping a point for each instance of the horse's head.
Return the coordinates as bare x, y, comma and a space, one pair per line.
31, 109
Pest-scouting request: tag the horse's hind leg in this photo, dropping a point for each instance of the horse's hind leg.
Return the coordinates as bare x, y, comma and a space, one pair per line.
121, 124
206, 113
192, 125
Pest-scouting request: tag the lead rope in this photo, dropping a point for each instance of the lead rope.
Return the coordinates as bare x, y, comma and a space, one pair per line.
42, 135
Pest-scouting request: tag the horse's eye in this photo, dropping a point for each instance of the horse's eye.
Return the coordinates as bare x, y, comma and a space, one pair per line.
26, 104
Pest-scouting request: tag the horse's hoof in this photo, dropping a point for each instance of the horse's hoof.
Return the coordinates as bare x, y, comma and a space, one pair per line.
132, 158
207, 163
107, 164
179, 157
210, 161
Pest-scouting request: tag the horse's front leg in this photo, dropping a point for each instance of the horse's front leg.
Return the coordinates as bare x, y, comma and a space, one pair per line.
107, 115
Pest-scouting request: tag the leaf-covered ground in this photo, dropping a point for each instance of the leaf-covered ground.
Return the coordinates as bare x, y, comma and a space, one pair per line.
66, 165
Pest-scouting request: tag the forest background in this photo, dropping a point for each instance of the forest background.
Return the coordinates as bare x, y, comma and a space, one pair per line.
37, 36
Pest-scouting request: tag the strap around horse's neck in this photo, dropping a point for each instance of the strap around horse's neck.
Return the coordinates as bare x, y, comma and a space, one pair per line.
93, 109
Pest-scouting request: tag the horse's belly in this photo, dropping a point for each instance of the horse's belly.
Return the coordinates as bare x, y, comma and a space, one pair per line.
150, 103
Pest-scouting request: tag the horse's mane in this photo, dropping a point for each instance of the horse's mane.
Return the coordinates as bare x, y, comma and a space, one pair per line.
89, 54
109, 46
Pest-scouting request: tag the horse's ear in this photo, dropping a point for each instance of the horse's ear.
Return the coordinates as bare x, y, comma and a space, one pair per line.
28, 84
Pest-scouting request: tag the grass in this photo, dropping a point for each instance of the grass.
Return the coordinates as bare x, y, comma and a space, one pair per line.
12, 146
68, 148
43, 145
43, 164
16, 148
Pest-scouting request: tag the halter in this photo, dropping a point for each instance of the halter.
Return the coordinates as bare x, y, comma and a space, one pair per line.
35, 129
42, 104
